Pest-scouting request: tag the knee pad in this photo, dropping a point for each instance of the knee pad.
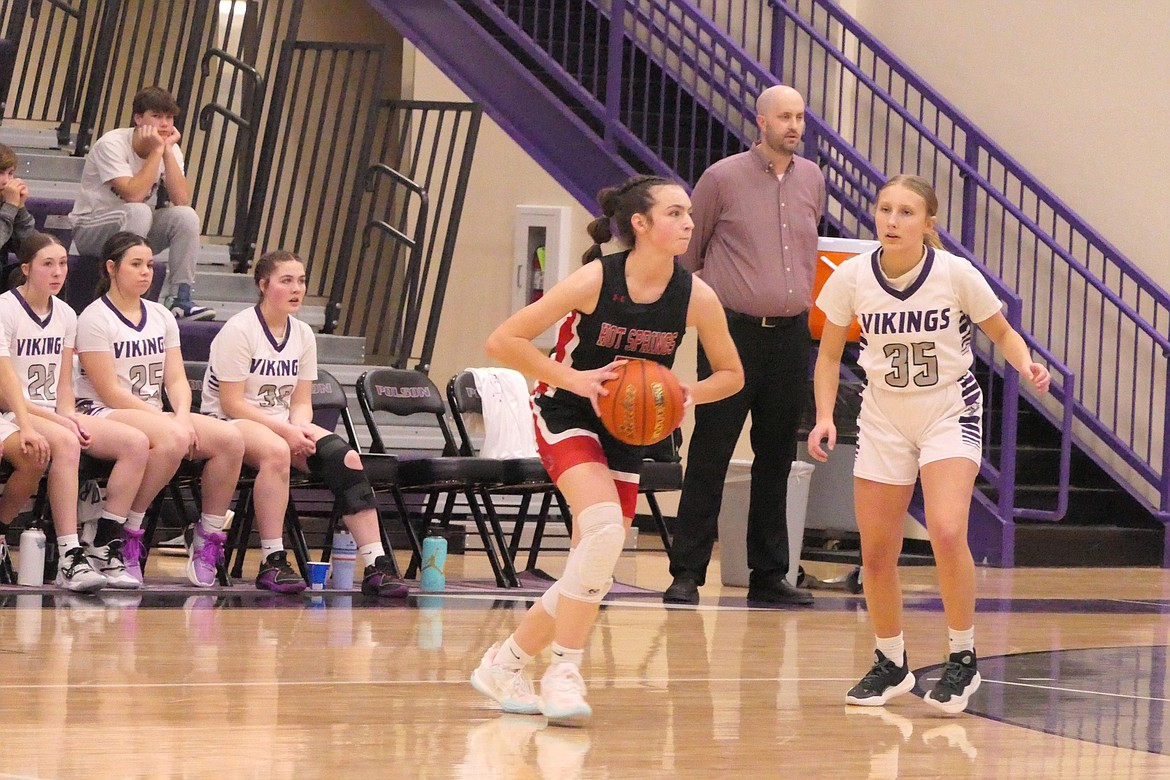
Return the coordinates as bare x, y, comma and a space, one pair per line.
349, 486
589, 571
550, 598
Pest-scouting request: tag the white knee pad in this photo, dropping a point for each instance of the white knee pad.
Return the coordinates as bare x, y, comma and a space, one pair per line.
589, 571
550, 598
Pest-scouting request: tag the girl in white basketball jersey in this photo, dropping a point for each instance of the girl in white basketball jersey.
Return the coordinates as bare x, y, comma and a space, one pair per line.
129, 353
260, 376
37, 333
921, 415
21, 445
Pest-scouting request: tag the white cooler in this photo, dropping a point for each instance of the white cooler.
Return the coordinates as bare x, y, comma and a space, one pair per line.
733, 520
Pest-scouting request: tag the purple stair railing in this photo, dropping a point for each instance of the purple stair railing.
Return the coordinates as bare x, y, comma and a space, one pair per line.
1082, 298
722, 79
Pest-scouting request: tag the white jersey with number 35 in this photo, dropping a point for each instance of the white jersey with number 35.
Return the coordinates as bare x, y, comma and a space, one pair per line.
915, 337
246, 351
139, 350
34, 344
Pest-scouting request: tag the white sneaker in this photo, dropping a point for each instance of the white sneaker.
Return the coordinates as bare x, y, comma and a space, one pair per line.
107, 561
562, 696
512, 690
74, 573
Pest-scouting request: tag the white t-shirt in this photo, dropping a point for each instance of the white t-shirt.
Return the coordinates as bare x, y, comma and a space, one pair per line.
34, 345
113, 157
246, 351
139, 350
914, 338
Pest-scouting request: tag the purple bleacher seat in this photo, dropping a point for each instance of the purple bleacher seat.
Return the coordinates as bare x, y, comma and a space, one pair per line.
52, 216
196, 338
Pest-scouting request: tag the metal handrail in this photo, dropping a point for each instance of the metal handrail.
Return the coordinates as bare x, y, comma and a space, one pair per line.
966, 169
972, 131
246, 139
835, 143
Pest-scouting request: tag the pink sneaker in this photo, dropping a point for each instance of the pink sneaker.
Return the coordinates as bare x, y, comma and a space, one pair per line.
133, 552
206, 557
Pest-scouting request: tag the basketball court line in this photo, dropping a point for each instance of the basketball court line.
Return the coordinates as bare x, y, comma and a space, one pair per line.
1074, 690
602, 681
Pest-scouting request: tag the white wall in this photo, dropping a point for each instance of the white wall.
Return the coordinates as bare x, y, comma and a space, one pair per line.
1075, 90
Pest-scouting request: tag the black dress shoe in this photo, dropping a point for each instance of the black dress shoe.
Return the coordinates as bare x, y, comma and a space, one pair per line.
684, 590
779, 592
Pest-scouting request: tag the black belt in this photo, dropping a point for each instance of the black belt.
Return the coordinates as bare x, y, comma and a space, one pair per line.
763, 322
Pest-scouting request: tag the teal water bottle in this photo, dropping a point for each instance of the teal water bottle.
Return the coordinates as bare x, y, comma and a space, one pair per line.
434, 562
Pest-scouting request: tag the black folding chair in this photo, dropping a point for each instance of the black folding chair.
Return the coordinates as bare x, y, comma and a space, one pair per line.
662, 472
403, 392
330, 406
523, 477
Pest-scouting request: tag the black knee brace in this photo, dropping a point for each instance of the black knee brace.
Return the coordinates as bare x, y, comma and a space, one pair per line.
350, 486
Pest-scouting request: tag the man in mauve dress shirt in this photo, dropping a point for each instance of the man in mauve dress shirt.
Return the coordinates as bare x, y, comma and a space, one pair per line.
755, 243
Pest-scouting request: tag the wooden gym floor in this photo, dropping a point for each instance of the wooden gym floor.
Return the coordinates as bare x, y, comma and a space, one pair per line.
177, 683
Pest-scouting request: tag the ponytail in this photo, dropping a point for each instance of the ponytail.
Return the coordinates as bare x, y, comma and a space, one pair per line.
115, 249
618, 206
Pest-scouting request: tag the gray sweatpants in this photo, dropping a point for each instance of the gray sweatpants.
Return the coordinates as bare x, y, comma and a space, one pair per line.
173, 227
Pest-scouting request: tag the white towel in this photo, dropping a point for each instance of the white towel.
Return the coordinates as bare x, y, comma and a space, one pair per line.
507, 413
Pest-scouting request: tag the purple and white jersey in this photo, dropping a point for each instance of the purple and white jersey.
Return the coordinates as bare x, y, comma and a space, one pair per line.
139, 351
916, 330
34, 344
246, 351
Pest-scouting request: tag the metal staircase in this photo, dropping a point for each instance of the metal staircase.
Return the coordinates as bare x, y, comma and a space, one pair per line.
595, 89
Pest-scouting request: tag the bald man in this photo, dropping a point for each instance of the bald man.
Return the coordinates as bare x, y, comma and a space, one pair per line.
755, 243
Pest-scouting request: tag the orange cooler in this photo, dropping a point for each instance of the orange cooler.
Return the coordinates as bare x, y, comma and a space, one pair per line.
831, 252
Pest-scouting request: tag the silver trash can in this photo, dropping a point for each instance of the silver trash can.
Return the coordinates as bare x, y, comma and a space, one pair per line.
733, 520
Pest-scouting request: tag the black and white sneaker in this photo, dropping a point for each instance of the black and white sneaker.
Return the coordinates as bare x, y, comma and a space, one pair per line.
960, 679
884, 681
75, 573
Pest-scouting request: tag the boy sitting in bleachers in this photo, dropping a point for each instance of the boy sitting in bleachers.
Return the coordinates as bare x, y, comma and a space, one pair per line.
15, 221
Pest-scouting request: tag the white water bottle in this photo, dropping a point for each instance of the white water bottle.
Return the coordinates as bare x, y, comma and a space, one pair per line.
32, 558
344, 559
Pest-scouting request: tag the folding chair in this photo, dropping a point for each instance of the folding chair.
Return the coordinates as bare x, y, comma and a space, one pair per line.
330, 405
403, 392
662, 472
524, 477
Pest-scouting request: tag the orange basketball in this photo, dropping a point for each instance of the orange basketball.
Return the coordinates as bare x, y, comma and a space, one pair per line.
644, 404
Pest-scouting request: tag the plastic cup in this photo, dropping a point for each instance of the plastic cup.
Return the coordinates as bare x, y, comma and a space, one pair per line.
317, 574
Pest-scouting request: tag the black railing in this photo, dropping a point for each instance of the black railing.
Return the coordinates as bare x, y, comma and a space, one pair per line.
47, 38
240, 164
407, 241
311, 152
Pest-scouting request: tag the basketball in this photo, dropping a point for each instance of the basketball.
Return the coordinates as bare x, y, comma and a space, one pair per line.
644, 403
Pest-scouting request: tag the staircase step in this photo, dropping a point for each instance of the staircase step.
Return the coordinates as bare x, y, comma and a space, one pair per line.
213, 281
1100, 505
225, 310
1059, 544
48, 166
26, 135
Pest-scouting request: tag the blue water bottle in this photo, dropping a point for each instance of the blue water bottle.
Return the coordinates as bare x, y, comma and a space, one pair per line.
434, 562
344, 559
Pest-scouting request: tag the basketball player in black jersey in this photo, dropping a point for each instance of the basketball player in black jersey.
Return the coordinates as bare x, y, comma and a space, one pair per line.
633, 304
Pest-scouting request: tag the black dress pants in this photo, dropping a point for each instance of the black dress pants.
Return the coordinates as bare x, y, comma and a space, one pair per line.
776, 369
